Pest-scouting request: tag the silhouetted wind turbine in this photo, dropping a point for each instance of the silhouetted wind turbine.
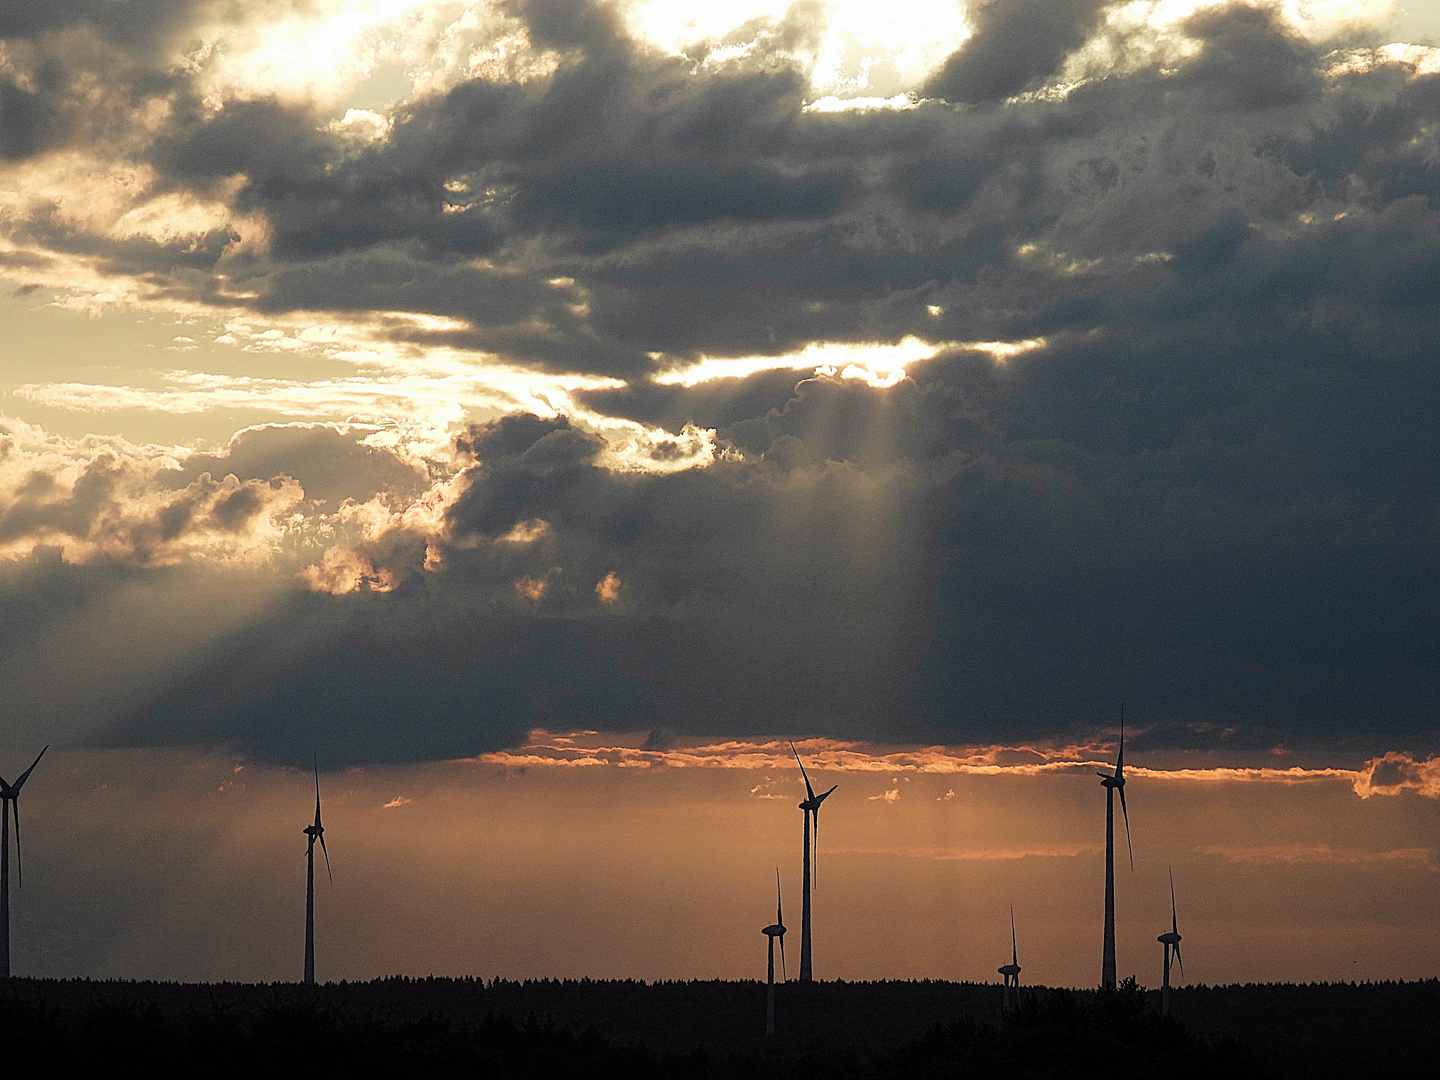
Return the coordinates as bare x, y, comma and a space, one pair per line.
10, 797
314, 832
1112, 784
811, 806
1171, 941
1011, 971
776, 930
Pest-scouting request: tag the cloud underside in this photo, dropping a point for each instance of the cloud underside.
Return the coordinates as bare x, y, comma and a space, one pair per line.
1207, 482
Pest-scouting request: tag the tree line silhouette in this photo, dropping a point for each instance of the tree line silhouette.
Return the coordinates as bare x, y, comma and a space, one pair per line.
578, 1029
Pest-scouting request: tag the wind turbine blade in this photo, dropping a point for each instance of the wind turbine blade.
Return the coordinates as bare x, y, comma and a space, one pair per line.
826, 795
1174, 927
1126, 814
1120, 755
1014, 955
779, 912
20, 782
19, 868
327, 859
809, 791
1178, 960
784, 973
317, 794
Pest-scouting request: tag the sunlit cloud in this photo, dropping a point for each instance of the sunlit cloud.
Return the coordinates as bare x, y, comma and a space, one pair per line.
832, 104
976, 854
1396, 772
1419, 59
321, 50
343, 570
858, 47
1152, 33
531, 589
1324, 854
95, 497
879, 364
1003, 351
608, 588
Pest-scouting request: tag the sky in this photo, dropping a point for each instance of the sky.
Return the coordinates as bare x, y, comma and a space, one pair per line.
536, 412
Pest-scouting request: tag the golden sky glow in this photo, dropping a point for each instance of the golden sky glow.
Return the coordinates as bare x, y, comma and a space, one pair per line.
475, 868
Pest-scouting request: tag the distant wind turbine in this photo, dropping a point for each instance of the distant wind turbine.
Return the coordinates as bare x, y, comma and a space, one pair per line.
10, 798
776, 930
1112, 784
314, 832
1011, 971
811, 806
1171, 941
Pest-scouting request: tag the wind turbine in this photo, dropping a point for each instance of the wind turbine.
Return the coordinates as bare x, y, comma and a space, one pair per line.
1011, 971
776, 930
811, 806
1171, 941
10, 797
314, 832
1112, 784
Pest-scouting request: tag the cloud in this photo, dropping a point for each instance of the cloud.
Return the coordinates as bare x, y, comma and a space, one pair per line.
1325, 855
271, 493
1396, 772
1015, 43
608, 588
942, 423
100, 502
595, 749
998, 854
330, 464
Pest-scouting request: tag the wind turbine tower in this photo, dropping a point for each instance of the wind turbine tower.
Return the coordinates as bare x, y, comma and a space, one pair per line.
811, 806
10, 798
1112, 784
314, 832
775, 930
1171, 941
1011, 972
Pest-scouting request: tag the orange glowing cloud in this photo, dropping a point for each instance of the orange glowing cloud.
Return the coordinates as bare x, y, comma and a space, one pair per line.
990, 854
1298, 854
1389, 774
1394, 772
608, 588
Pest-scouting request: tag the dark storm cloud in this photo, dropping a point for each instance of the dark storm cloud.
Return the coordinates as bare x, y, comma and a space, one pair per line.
1015, 43
49, 98
913, 563
714, 629
132, 24
29, 120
